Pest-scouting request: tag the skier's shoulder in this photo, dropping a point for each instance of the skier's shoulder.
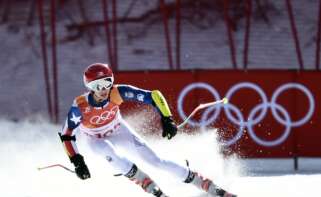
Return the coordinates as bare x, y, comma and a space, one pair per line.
120, 89
115, 96
81, 99
129, 88
126, 86
124, 92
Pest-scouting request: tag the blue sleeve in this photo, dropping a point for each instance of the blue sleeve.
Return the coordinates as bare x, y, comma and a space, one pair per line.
131, 93
74, 118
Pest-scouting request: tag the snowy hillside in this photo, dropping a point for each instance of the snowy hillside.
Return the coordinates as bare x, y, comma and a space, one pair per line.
30, 144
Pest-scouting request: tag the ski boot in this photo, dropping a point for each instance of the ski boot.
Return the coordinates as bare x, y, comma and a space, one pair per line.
207, 185
142, 179
158, 192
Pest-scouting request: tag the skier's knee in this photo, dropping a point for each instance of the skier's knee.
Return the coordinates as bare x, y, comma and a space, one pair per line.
159, 163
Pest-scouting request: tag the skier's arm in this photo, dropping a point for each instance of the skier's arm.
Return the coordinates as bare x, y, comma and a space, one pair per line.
68, 140
169, 126
155, 98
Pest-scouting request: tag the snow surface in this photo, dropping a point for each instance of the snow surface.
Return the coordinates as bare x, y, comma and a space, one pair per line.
28, 144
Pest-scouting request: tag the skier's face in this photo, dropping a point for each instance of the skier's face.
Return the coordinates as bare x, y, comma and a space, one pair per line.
102, 94
101, 88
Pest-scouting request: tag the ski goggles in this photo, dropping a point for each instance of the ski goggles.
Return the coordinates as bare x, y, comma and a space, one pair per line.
101, 84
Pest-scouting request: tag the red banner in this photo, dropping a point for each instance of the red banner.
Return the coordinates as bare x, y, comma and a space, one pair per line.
269, 114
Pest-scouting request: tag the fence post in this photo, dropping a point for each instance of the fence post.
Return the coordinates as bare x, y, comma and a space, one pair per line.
178, 34
44, 57
108, 34
229, 33
248, 14
295, 34
54, 59
317, 51
167, 35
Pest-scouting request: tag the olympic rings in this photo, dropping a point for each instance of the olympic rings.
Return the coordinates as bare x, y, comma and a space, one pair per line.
104, 116
304, 90
252, 120
184, 93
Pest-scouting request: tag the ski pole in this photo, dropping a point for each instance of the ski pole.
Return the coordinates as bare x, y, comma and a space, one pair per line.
56, 165
202, 106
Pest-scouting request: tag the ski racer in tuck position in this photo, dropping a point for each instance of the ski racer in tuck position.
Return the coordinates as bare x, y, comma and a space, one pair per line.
96, 114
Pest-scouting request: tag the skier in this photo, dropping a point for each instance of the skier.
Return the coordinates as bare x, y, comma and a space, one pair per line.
96, 114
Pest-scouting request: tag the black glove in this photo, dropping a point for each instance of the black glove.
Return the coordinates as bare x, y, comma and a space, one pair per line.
169, 127
81, 168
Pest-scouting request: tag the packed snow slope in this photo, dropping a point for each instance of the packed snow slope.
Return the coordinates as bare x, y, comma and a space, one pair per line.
28, 144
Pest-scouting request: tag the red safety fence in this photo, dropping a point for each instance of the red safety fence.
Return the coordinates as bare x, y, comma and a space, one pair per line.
270, 113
